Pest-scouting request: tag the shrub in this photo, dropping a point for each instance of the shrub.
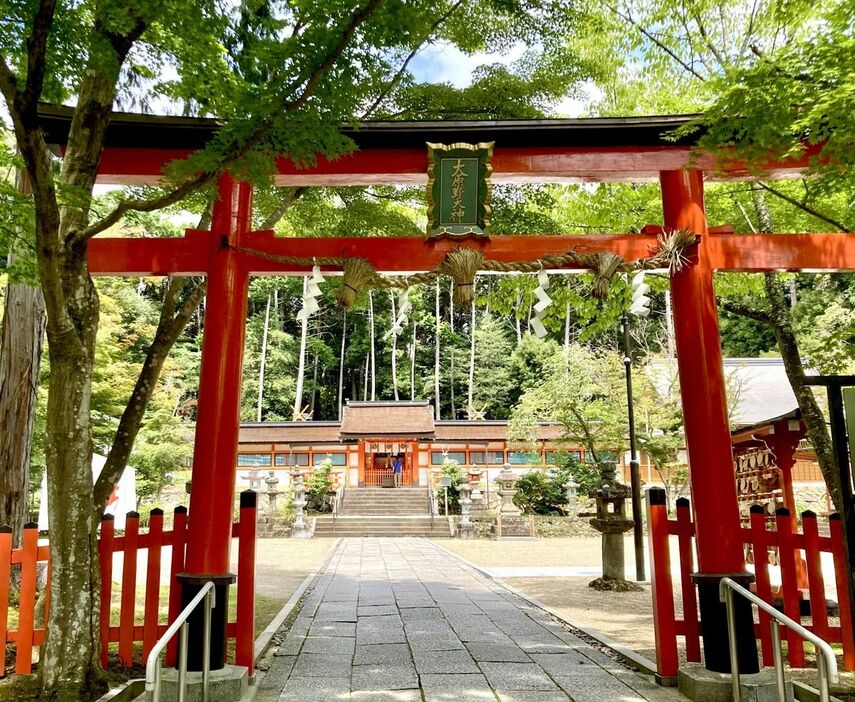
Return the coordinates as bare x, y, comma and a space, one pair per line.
539, 493
452, 470
318, 487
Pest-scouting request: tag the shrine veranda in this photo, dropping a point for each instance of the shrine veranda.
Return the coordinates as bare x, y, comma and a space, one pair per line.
586, 150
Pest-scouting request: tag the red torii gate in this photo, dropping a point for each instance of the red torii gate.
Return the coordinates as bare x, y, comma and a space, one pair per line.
631, 149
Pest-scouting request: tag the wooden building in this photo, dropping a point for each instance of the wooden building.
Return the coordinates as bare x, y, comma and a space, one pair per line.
362, 446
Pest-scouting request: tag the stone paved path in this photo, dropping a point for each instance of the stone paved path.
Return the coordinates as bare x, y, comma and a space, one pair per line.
401, 620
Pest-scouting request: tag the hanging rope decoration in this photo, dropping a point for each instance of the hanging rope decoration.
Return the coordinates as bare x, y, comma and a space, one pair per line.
313, 292
462, 264
358, 275
604, 267
543, 301
401, 319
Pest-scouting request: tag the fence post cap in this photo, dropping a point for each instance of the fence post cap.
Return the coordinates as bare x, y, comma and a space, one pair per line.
5, 529
156, 512
782, 512
107, 517
248, 498
31, 525
132, 515
656, 496
808, 514
181, 509
834, 517
757, 509
682, 501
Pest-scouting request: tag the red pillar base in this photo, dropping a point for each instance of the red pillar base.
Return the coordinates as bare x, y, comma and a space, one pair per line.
190, 587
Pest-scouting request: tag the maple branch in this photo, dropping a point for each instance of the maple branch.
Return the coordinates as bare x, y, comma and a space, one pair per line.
36, 63
804, 207
200, 180
742, 310
397, 77
628, 18
356, 21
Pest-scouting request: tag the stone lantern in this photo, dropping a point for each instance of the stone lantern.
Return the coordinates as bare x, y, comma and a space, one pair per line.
300, 530
475, 474
611, 521
507, 489
465, 529
510, 522
272, 493
572, 488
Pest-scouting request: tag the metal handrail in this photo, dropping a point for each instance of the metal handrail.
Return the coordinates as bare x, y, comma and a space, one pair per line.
152, 665
826, 661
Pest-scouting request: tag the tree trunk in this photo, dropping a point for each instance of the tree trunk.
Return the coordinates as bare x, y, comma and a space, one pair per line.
781, 322
301, 365
365, 386
69, 666
314, 393
394, 349
567, 323
341, 364
413, 365
436, 388
21, 341
517, 318
372, 353
262, 360
669, 325
470, 397
451, 348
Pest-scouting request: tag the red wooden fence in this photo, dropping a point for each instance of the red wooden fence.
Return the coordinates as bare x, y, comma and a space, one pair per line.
136, 624
787, 543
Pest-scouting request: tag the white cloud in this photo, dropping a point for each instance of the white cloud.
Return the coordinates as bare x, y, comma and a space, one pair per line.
579, 106
445, 63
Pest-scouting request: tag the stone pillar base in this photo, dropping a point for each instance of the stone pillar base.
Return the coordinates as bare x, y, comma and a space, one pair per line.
228, 684
466, 531
513, 526
306, 532
698, 683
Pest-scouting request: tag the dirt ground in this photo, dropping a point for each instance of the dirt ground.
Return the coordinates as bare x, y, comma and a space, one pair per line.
282, 564
541, 552
626, 617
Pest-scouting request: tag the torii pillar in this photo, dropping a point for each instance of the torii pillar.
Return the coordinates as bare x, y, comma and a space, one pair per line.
705, 421
218, 418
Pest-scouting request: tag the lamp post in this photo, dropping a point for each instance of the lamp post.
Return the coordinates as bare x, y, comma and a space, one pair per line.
634, 473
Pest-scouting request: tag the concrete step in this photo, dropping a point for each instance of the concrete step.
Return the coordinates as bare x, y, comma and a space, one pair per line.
392, 534
382, 526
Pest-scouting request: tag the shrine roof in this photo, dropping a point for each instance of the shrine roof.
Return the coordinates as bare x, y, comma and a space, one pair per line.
762, 390
387, 419
142, 131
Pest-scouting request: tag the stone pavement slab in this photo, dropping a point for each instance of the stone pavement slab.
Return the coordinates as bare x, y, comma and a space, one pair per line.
402, 620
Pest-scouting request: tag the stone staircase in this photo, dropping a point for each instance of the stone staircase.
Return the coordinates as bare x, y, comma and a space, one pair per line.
383, 512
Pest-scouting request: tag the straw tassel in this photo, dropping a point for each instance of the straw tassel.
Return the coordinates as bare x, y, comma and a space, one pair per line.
604, 265
462, 265
358, 274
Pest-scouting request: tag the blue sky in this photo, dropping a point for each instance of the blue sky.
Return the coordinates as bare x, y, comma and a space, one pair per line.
445, 63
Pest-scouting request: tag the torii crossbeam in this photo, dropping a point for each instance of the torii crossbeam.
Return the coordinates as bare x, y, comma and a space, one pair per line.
631, 149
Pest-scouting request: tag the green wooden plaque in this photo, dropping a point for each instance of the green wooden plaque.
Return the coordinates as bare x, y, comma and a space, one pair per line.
459, 190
